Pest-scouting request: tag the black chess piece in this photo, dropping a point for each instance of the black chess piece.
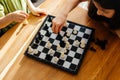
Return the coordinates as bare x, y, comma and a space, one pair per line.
49, 19
45, 27
62, 44
59, 37
48, 57
40, 36
48, 33
37, 40
101, 43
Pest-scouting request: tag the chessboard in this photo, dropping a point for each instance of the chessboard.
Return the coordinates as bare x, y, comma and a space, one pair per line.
64, 50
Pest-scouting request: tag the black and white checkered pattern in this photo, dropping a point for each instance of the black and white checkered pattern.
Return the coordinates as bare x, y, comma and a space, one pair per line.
74, 54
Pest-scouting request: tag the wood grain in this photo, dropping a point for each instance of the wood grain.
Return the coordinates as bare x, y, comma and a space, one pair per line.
99, 65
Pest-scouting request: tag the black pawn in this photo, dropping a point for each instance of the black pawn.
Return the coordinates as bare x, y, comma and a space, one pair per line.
40, 36
59, 37
37, 40
45, 27
48, 33
62, 44
48, 57
49, 19
101, 43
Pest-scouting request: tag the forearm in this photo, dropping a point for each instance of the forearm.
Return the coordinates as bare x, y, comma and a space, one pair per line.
30, 5
69, 5
5, 21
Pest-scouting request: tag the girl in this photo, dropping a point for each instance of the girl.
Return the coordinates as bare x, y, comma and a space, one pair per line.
107, 11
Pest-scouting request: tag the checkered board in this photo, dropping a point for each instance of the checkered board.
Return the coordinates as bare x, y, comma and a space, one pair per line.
73, 55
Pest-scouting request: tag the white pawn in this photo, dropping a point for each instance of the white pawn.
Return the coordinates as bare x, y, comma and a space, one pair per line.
35, 51
62, 55
55, 59
30, 49
83, 42
65, 38
51, 51
68, 34
48, 44
77, 42
82, 45
58, 47
74, 31
64, 50
67, 45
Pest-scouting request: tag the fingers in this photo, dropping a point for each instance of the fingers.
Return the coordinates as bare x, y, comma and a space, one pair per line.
56, 27
58, 23
24, 14
43, 11
53, 26
19, 16
21, 13
38, 12
60, 28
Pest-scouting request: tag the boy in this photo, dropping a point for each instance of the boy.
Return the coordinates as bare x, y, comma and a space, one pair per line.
13, 11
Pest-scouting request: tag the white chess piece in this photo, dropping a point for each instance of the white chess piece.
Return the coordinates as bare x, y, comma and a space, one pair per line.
62, 55
30, 49
58, 47
55, 59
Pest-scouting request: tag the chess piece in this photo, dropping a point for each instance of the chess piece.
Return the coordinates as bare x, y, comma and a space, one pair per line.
58, 47
62, 55
30, 49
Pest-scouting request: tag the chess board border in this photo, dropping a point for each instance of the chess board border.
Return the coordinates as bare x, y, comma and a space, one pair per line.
54, 65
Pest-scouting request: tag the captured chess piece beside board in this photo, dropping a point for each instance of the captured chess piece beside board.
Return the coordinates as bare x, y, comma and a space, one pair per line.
64, 50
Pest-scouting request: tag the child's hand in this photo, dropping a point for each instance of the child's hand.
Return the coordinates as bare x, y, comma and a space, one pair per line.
58, 23
19, 16
38, 11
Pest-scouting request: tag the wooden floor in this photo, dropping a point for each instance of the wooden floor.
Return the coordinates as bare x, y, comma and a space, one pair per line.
99, 65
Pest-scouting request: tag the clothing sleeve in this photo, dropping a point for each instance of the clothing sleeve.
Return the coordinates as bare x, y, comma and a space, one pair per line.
2, 11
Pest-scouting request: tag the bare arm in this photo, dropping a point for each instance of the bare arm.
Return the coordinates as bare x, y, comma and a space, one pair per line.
69, 5
60, 19
17, 16
35, 10
6, 20
30, 5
